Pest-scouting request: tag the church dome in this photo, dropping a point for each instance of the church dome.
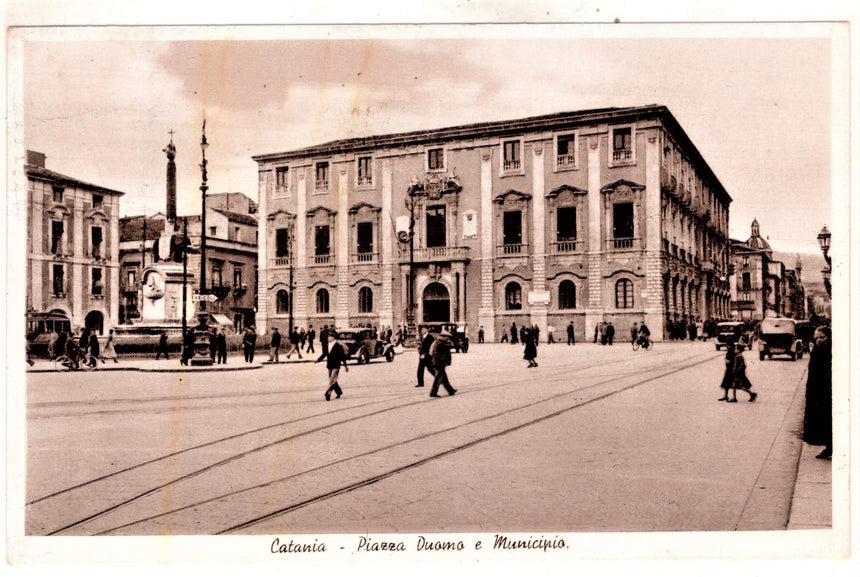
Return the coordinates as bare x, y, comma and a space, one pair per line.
755, 241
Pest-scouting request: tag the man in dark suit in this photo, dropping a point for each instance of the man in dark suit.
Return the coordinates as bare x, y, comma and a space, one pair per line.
424, 360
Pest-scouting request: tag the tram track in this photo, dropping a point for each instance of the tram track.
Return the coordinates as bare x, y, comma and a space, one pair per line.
79, 525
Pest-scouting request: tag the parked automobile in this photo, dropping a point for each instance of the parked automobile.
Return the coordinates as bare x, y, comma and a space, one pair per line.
458, 334
361, 346
732, 332
778, 337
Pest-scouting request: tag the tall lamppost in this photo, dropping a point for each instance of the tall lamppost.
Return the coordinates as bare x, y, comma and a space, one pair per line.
204, 186
412, 195
824, 243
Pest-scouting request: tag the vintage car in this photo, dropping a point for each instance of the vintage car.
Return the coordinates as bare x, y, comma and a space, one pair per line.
777, 337
361, 346
732, 332
458, 334
805, 331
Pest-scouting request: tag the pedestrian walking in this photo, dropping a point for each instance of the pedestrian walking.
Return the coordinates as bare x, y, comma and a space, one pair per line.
634, 333
95, 350
302, 337
610, 334
440, 353
249, 342
335, 358
312, 334
530, 350
274, 345
514, 337
295, 344
324, 342
424, 359
817, 416
738, 377
481, 334
596, 332
110, 350
221, 343
550, 338
161, 349
504, 338
536, 334
52, 344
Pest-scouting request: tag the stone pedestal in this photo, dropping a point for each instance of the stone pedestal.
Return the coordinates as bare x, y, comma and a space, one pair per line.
202, 354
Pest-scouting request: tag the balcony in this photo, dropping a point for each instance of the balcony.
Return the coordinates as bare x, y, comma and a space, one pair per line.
564, 246
512, 249
321, 185
364, 257
622, 243
365, 181
437, 254
283, 261
321, 259
511, 165
565, 161
622, 155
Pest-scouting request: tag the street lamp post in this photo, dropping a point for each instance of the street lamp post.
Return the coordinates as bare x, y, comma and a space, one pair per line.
204, 186
824, 243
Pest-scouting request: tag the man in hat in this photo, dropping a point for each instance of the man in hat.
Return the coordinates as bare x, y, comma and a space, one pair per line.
424, 360
440, 353
274, 345
334, 359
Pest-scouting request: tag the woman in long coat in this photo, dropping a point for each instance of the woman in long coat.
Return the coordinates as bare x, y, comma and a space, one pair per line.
530, 352
817, 421
726, 383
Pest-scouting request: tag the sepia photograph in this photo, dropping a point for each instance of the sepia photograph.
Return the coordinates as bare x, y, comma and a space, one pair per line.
442, 292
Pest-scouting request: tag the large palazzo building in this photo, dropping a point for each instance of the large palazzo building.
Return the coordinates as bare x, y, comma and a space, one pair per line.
607, 215
72, 251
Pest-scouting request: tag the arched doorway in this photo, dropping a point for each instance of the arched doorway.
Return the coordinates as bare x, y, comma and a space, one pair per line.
437, 304
95, 321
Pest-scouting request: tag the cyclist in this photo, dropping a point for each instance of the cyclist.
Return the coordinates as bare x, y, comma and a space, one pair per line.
644, 335
74, 353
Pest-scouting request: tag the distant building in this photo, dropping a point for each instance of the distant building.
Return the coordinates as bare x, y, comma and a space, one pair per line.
72, 250
231, 256
761, 286
589, 216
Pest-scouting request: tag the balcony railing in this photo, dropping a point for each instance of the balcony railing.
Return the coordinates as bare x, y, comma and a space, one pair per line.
622, 155
565, 161
365, 181
436, 253
321, 259
283, 261
321, 185
564, 246
364, 257
510, 165
622, 243
511, 249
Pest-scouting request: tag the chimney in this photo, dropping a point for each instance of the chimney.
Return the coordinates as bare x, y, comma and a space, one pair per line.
36, 158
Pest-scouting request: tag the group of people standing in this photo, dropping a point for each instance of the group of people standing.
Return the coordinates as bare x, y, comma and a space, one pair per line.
682, 330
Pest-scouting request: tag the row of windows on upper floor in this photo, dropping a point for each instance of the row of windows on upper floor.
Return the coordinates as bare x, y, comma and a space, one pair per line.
58, 281
512, 235
59, 241
59, 193
622, 152
565, 294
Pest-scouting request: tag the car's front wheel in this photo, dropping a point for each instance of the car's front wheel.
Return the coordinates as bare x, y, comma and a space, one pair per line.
363, 357
389, 355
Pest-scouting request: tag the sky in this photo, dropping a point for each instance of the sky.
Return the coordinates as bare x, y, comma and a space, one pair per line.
100, 106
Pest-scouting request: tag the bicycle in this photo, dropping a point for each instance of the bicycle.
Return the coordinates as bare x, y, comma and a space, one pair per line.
644, 342
64, 364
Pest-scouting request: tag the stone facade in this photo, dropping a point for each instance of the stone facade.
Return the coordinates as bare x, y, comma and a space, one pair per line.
592, 216
72, 248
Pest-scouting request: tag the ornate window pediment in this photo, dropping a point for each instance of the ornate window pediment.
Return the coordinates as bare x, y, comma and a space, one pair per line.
281, 217
356, 208
511, 197
622, 187
321, 210
566, 188
59, 211
434, 186
97, 215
